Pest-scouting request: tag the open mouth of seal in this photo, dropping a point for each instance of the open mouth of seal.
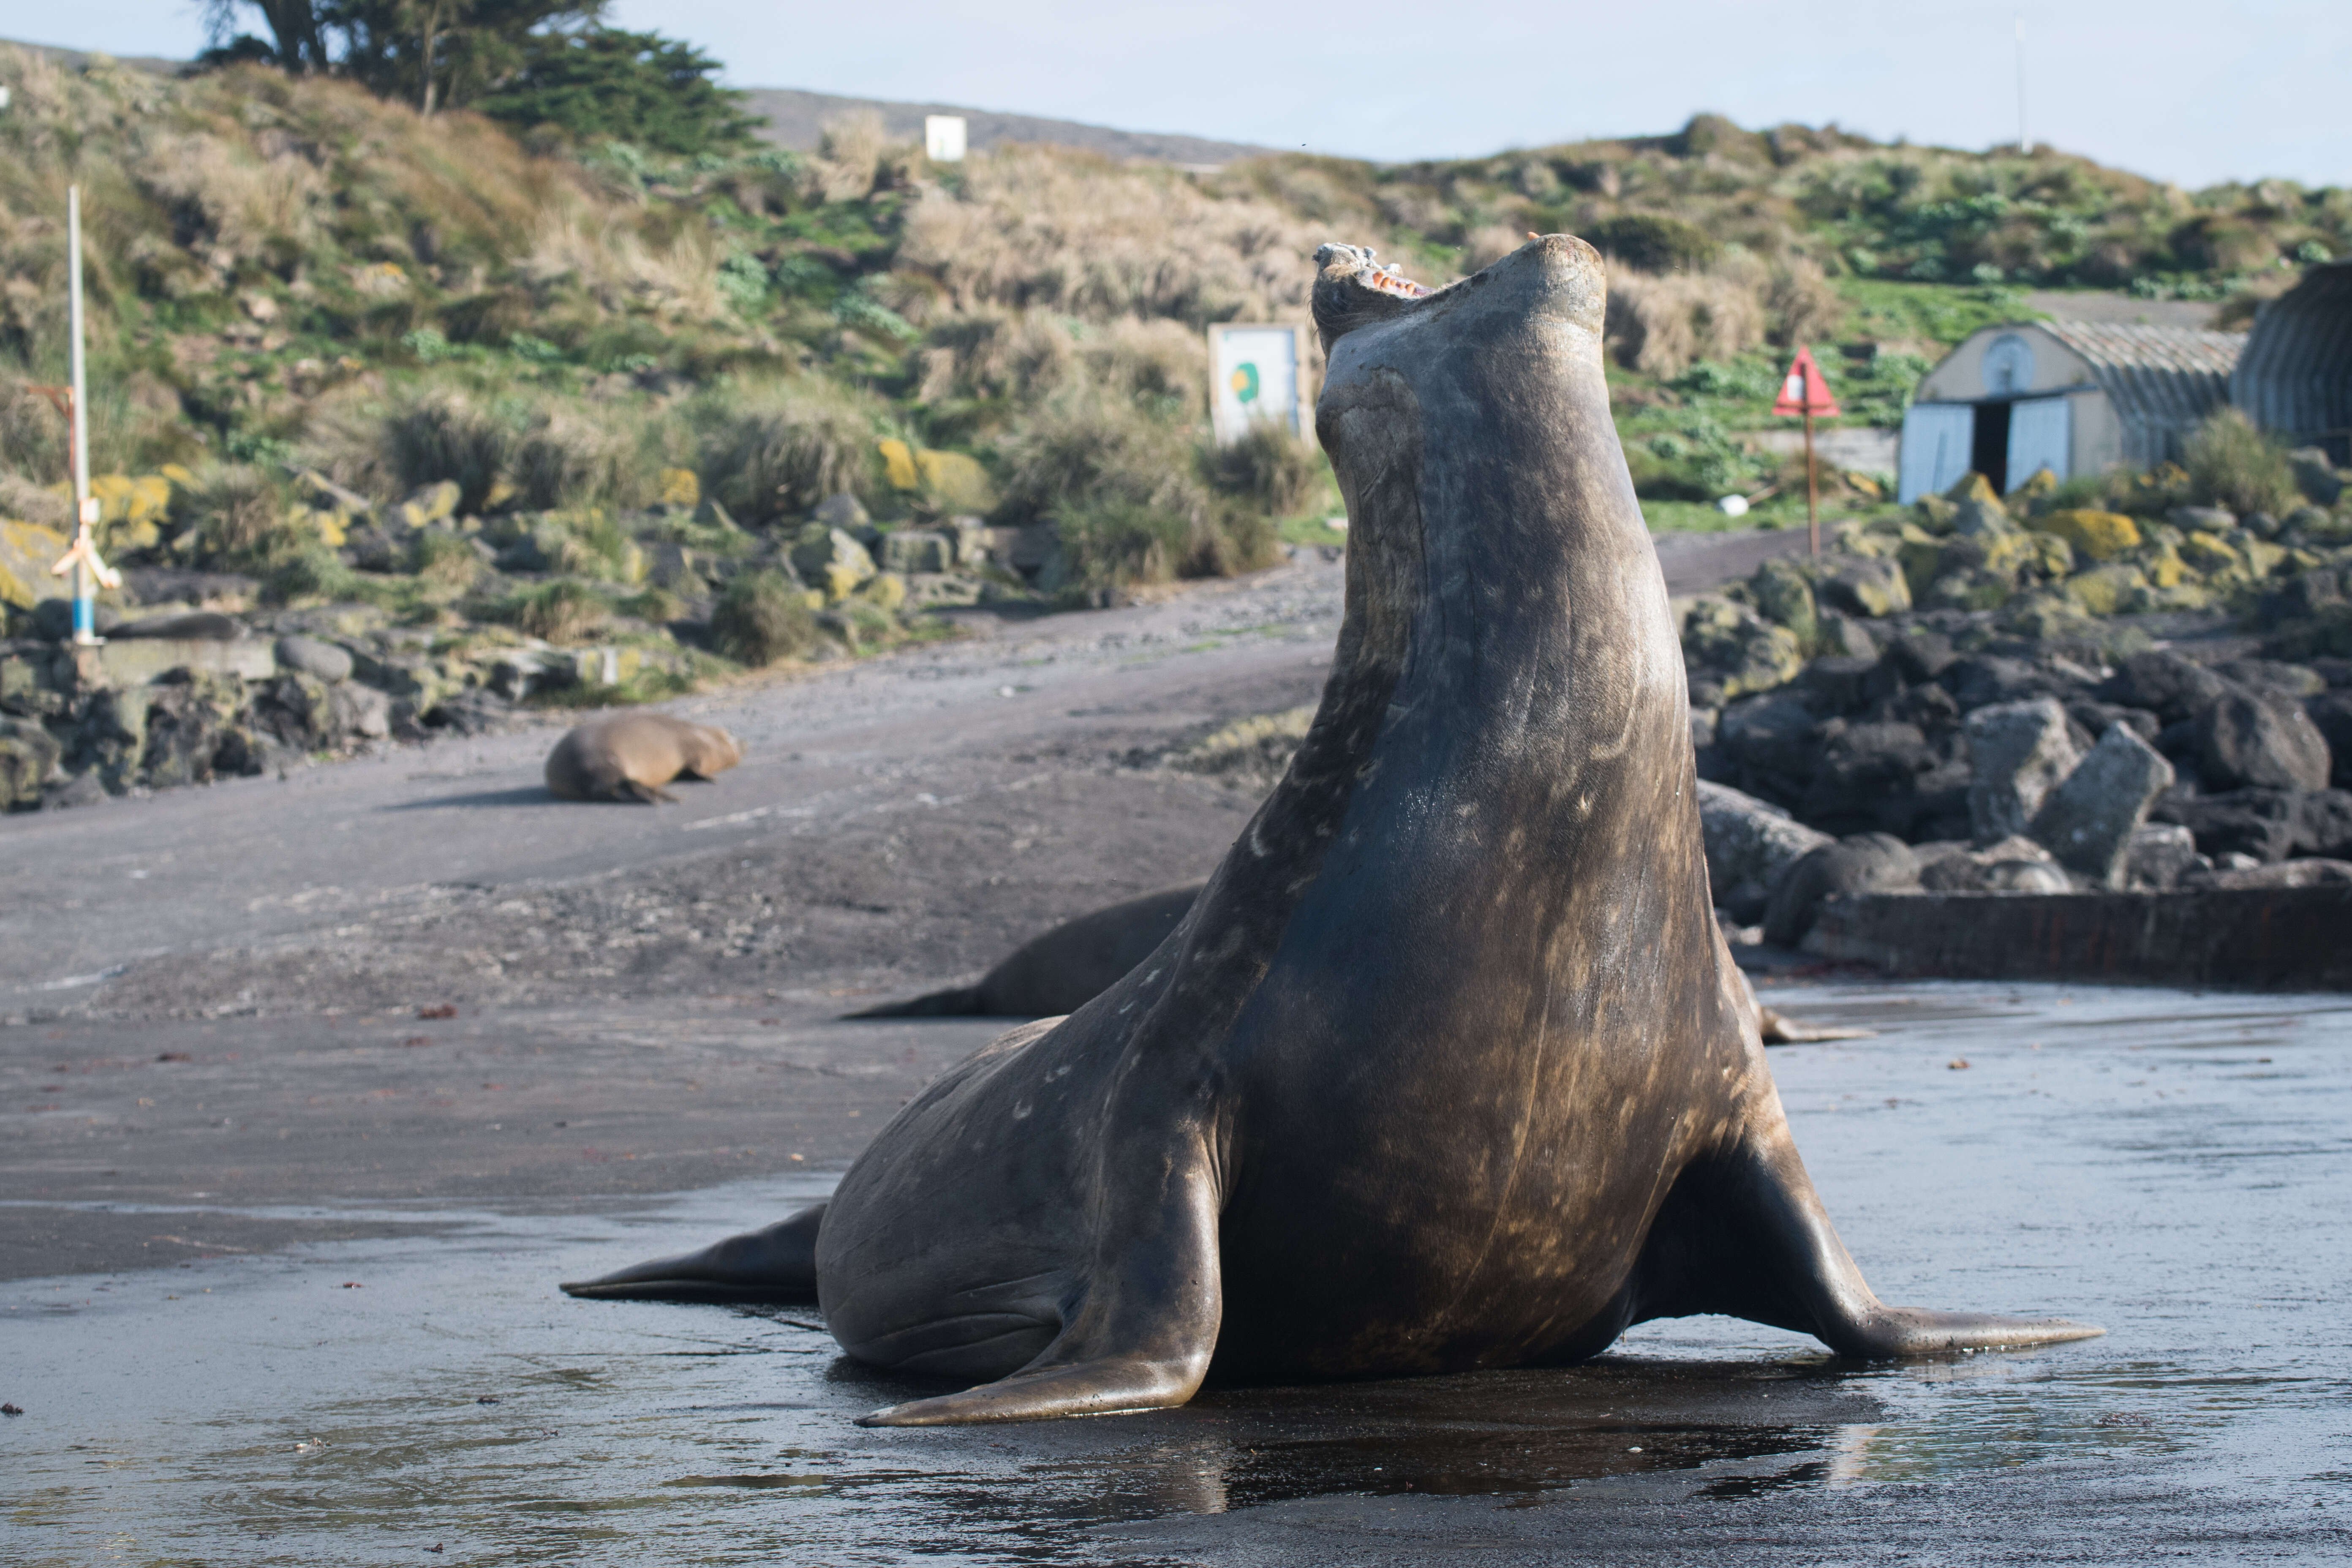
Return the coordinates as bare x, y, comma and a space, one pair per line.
1388, 281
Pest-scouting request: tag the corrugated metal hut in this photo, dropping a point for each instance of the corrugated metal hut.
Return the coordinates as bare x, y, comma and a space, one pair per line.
2075, 397
2294, 379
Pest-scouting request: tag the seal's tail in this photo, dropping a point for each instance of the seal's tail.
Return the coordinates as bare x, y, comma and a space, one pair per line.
956, 1002
777, 1264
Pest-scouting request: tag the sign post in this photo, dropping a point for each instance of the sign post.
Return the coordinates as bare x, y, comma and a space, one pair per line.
89, 572
1803, 391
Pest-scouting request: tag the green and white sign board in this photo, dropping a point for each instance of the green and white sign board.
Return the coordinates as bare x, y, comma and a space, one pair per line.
1257, 372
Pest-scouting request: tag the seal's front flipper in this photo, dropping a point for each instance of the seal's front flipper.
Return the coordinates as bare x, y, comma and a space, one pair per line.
1141, 1336
651, 794
1746, 1236
777, 1264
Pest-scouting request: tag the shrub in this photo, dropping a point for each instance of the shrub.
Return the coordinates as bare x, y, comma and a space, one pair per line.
1653, 242
779, 451
445, 434
639, 87
1661, 325
445, 560
560, 611
240, 519
2231, 464
762, 617
1118, 543
1272, 469
315, 573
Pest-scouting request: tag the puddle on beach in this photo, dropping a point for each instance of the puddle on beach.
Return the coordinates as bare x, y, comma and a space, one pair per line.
2173, 1167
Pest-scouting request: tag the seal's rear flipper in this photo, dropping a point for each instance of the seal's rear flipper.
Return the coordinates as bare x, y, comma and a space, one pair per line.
1746, 1236
778, 1264
1141, 1335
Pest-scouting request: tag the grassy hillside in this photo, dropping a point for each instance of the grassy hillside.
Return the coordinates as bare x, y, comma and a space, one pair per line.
292, 274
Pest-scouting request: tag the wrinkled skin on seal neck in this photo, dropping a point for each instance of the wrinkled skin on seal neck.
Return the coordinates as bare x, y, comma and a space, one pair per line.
1447, 1067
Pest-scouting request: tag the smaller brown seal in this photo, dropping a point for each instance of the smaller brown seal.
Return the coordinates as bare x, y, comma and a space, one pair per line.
629, 756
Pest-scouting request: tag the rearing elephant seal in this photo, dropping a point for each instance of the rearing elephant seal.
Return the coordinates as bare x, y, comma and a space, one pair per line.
629, 756
1448, 1067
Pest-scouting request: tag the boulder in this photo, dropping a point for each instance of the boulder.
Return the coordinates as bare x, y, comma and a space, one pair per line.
2260, 739
1747, 653
2201, 519
2323, 824
1865, 776
2088, 821
2331, 714
2315, 475
2092, 718
308, 656
82, 789
2159, 855
841, 511
360, 711
2108, 590
1983, 681
1836, 684
1771, 744
426, 504
28, 756
1748, 842
1865, 863
2295, 681
1784, 597
2164, 683
827, 559
1918, 656
2094, 536
918, 550
1842, 636
1867, 588
2018, 752
2262, 823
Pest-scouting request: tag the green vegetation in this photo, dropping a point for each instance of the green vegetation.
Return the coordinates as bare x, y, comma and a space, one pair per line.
615, 326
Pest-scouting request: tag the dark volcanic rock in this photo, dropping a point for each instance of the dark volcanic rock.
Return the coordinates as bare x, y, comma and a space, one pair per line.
1865, 863
1983, 681
2331, 714
1865, 777
2263, 822
2260, 739
1770, 743
2323, 824
2166, 684
2096, 717
1836, 685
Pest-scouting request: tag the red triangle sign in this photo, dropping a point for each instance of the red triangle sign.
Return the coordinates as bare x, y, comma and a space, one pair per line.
1804, 390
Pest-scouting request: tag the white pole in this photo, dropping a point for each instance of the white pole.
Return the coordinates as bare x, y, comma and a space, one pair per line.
2024, 145
84, 589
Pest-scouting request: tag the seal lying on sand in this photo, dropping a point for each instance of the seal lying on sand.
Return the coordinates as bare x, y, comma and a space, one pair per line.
1078, 960
1448, 1067
1063, 970
629, 756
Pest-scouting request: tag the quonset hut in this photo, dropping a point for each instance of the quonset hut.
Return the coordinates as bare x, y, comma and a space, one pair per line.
2294, 380
2075, 397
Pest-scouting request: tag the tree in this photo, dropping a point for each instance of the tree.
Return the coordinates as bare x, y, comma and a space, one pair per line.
639, 87
436, 53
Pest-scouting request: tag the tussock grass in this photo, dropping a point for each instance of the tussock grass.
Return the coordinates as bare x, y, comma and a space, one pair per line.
564, 611
2231, 464
762, 617
770, 450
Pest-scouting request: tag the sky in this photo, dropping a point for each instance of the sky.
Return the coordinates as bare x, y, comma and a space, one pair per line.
2184, 90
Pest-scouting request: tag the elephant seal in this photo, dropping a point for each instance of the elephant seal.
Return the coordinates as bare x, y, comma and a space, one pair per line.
1077, 960
629, 756
1448, 1066
1063, 970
